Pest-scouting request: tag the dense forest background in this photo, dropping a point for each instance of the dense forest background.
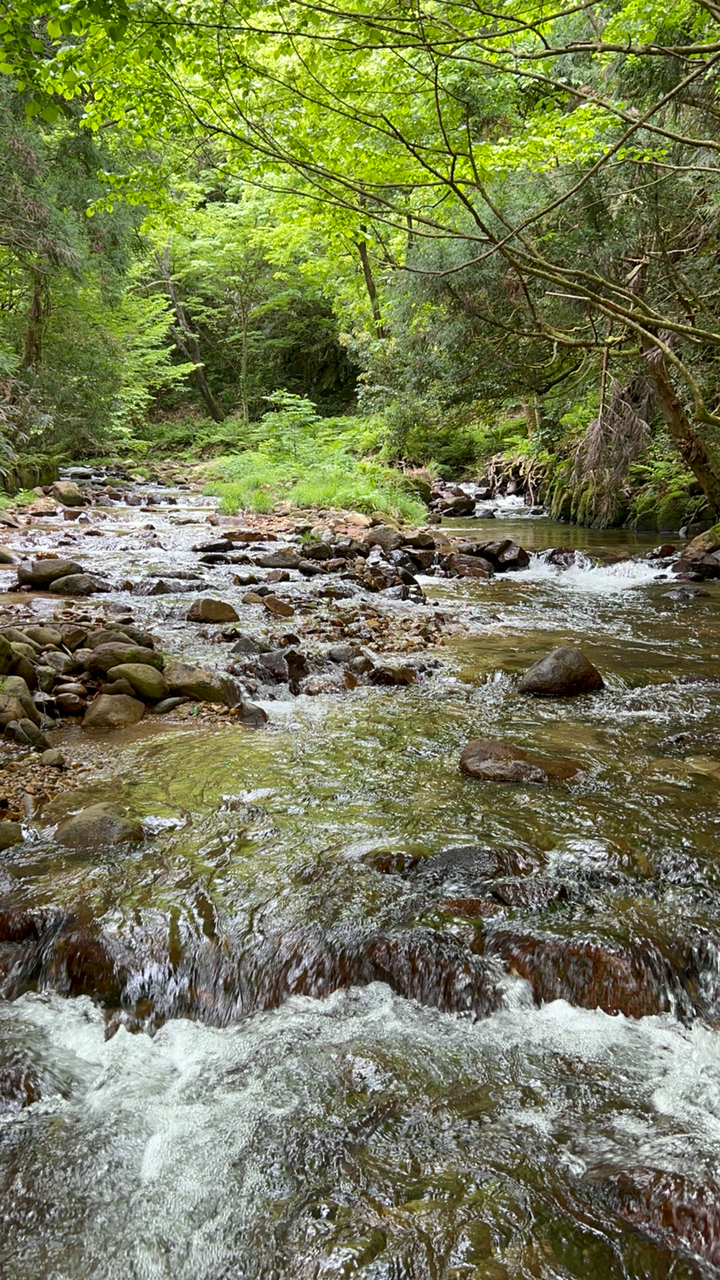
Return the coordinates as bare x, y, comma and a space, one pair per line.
335, 250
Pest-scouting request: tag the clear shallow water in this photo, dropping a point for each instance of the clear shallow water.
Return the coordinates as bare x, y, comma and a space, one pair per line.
366, 1133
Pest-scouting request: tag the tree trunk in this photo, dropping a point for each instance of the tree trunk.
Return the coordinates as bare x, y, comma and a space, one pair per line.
39, 309
693, 450
186, 340
370, 286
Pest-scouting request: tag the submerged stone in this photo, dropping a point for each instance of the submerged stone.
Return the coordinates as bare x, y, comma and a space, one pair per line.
98, 826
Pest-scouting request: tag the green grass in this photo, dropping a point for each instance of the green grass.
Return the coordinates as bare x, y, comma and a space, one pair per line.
317, 476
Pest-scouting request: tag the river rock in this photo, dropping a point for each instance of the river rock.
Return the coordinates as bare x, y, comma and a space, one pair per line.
208, 610
279, 607
53, 758
98, 826
106, 636
460, 566
118, 686
7, 657
15, 687
44, 636
68, 494
11, 710
671, 1208
40, 573
7, 556
283, 559
588, 972
458, 506
698, 566
61, 663
467, 869
71, 704
28, 731
195, 683
250, 714
166, 705
113, 711
493, 761
563, 673
10, 834
77, 584
113, 653
396, 676
505, 555
384, 536
147, 681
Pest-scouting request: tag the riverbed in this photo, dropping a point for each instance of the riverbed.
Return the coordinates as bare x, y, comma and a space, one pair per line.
264, 1101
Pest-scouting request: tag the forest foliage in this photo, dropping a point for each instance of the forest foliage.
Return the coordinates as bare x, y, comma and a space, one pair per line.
477, 229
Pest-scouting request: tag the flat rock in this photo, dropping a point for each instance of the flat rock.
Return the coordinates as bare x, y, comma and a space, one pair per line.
40, 573
97, 827
279, 607
209, 610
113, 711
563, 673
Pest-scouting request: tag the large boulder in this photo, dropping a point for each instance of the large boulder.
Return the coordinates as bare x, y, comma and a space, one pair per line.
113, 711
706, 542
97, 827
149, 683
40, 573
115, 652
490, 760
564, 673
208, 610
68, 493
196, 683
505, 555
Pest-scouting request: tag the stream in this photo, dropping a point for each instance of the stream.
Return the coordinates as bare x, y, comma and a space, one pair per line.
322, 1047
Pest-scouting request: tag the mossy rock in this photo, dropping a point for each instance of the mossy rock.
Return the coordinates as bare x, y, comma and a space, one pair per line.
674, 510
645, 514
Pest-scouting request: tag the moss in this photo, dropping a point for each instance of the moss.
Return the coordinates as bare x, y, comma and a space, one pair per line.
674, 510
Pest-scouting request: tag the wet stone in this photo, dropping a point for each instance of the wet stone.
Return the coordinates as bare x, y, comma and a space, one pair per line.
490, 760
98, 826
146, 681
209, 610
563, 673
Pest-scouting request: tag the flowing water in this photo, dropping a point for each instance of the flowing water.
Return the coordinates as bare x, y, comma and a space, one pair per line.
276, 1041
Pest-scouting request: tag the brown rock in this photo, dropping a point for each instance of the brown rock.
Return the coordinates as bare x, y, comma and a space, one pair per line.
468, 566
113, 711
98, 826
493, 761
209, 610
564, 673
588, 973
279, 607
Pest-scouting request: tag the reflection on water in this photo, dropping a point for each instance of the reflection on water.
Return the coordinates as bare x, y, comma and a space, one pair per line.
372, 1133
